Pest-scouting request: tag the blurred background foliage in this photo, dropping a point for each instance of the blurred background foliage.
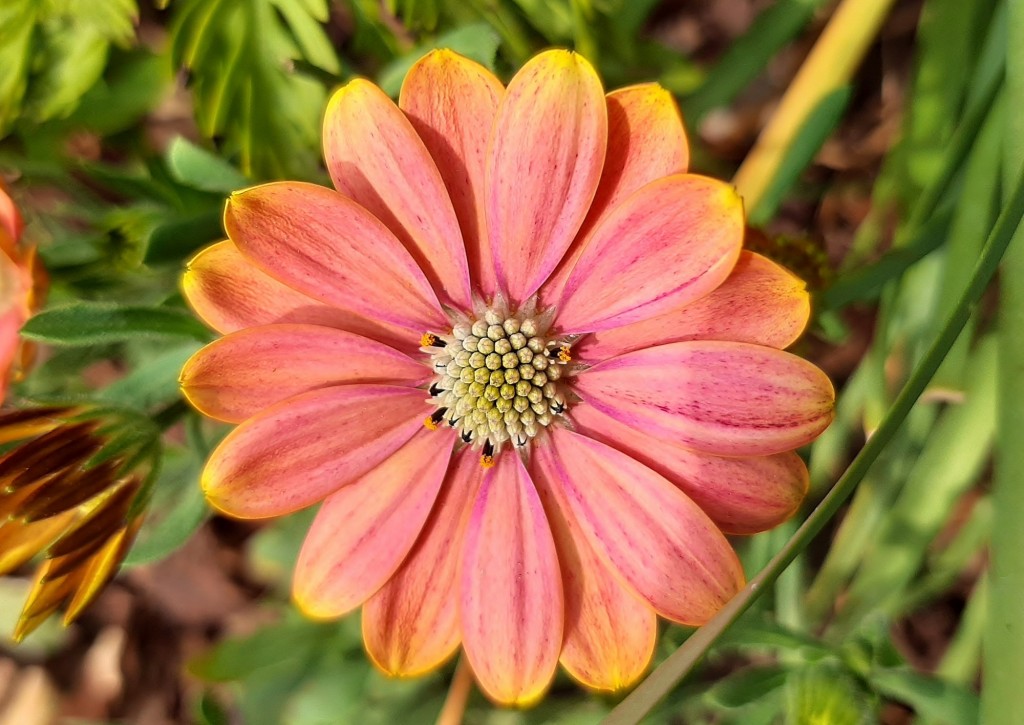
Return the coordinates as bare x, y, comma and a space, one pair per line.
124, 123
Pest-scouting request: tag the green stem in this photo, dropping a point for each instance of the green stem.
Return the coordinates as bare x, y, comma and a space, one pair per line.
661, 681
1002, 696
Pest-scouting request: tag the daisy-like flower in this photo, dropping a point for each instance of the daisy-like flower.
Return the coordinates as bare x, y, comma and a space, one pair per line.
522, 360
22, 283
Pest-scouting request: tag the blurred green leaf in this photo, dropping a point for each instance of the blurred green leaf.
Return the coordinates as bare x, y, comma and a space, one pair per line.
53, 51
748, 56
176, 509
818, 127
415, 14
745, 686
477, 42
235, 659
94, 323
152, 382
824, 695
941, 702
179, 235
198, 168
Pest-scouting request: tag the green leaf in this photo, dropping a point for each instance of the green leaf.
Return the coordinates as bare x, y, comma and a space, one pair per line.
235, 659
53, 52
746, 686
818, 127
198, 168
824, 695
95, 323
176, 509
179, 235
17, 26
153, 382
304, 23
939, 701
241, 60
477, 42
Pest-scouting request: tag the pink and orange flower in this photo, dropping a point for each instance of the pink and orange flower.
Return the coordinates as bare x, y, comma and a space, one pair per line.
22, 285
520, 356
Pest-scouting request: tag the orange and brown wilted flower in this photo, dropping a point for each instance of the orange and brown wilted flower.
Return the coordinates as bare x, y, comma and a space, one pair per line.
521, 357
68, 494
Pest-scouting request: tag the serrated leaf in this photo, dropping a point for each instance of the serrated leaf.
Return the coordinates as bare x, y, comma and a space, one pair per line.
94, 323
241, 60
198, 168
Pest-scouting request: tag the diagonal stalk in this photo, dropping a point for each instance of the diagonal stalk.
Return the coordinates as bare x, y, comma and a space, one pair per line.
661, 681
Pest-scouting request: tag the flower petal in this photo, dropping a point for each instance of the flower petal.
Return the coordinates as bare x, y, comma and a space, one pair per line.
10, 218
512, 609
760, 303
411, 625
646, 141
609, 631
230, 293
743, 495
376, 158
726, 398
239, 375
656, 538
544, 165
364, 530
455, 133
300, 451
670, 243
326, 246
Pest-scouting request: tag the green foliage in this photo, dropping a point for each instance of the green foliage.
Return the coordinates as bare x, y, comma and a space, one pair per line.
124, 179
240, 60
53, 51
101, 323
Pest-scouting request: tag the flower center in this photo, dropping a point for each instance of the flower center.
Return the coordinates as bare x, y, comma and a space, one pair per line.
497, 379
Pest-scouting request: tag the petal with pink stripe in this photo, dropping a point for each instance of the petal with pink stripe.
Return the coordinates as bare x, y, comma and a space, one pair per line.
365, 529
298, 452
742, 495
328, 247
657, 539
646, 141
456, 134
377, 159
511, 600
411, 625
671, 242
239, 375
545, 160
609, 631
725, 398
760, 303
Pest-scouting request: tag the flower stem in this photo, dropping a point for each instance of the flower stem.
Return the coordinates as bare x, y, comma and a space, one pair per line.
458, 695
661, 681
1002, 697
832, 61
